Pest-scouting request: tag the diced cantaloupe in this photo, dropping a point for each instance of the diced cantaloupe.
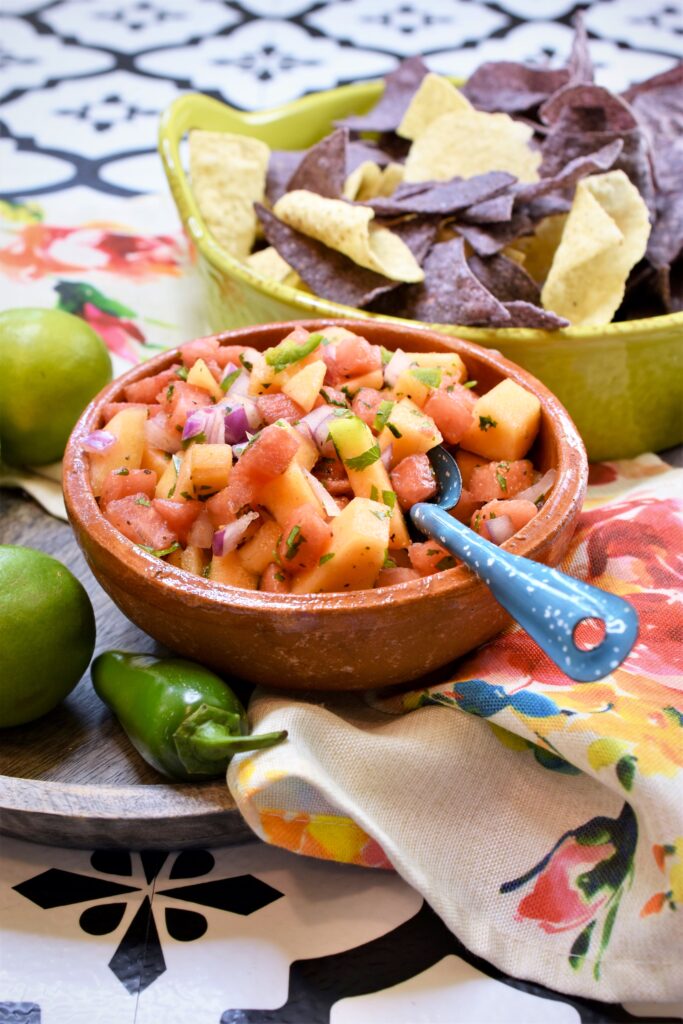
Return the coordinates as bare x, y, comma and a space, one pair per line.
167, 481
360, 538
155, 459
373, 379
506, 422
467, 461
304, 387
353, 440
449, 362
260, 551
127, 427
287, 491
409, 430
229, 570
194, 560
306, 454
261, 376
409, 386
200, 376
209, 467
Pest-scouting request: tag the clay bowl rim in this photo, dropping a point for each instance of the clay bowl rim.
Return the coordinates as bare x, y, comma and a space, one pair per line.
565, 501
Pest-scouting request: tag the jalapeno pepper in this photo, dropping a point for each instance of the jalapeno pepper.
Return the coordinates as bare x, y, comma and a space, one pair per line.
184, 720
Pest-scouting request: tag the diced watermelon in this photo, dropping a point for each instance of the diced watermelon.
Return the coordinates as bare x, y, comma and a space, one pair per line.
202, 530
305, 538
185, 400
519, 511
160, 434
467, 461
389, 577
231, 354
500, 479
278, 407
267, 457
178, 515
413, 480
333, 476
200, 348
219, 507
366, 403
136, 518
146, 390
466, 506
329, 357
331, 397
111, 408
451, 411
429, 557
356, 356
132, 481
274, 579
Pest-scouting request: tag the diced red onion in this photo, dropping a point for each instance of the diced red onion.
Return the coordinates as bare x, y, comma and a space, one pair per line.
387, 455
538, 489
227, 539
240, 385
99, 441
236, 401
500, 529
399, 362
227, 370
322, 494
304, 430
200, 534
236, 424
159, 434
194, 424
318, 422
209, 422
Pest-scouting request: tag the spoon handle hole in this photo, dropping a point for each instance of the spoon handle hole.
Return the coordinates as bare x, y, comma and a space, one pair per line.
589, 633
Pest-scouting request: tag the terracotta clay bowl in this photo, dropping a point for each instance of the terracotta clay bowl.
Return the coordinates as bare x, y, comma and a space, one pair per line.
349, 641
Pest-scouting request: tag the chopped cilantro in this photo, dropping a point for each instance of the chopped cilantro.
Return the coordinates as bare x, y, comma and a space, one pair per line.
143, 500
289, 351
470, 384
394, 430
280, 577
123, 471
388, 563
365, 459
186, 495
326, 558
502, 482
382, 415
485, 422
331, 401
346, 392
477, 522
389, 498
294, 541
197, 439
431, 376
433, 551
182, 372
374, 493
386, 355
245, 363
171, 492
160, 552
228, 381
169, 392
447, 562
206, 571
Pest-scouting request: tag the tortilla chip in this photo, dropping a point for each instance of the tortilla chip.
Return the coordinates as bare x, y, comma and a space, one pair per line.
526, 314
323, 168
505, 279
572, 172
487, 239
399, 87
539, 249
434, 97
490, 211
325, 271
511, 87
228, 175
392, 177
270, 264
281, 166
442, 197
363, 182
347, 228
467, 143
605, 236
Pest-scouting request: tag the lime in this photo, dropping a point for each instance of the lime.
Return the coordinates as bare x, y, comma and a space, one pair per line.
47, 633
51, 365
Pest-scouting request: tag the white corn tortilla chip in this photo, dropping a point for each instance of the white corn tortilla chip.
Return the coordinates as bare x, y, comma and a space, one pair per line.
435, 96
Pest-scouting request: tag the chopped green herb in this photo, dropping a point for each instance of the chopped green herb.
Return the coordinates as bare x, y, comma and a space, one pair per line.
477, 522
169, 392
388, 563
245, 363
294, 541
389, 498
485, 422
206, 571
470, 384
197, 439
182, 372
186, 495
123, 471
331, 401
446, 563
346, 392
502, 482
280, 577
382, 415
228, 381
492, 515
171, 492
160, 552
143, 500
433, 551
394, 430
365, 459
289, 351
326, 558
374, 493
431, 376
386, 355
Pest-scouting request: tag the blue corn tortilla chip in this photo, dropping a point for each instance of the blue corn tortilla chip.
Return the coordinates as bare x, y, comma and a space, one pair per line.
505, 279
399, 88
488, 239
359, 151
526, 314
281, 166
442, 197
329, 273
490, 211
571, 173
323, 169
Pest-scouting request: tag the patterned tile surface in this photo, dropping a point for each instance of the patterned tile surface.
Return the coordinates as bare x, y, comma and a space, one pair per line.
249, 934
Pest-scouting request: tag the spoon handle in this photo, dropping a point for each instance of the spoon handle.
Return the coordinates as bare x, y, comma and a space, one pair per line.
545, 602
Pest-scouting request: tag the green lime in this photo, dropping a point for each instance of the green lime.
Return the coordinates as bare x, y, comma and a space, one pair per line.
47, 633
51, 365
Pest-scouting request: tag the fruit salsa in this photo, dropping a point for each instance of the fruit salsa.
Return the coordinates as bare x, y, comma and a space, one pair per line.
291, 470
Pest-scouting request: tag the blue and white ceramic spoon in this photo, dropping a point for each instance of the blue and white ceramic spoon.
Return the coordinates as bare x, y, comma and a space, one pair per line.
545, 602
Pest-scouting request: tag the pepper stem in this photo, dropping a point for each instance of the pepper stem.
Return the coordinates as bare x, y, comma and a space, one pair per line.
207, 739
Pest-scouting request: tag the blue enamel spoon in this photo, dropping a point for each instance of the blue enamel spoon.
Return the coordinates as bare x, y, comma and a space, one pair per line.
545, 602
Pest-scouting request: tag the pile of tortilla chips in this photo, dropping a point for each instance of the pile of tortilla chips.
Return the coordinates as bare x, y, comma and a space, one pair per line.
531, 197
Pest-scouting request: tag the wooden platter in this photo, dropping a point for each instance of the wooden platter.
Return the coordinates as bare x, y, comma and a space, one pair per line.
72, 778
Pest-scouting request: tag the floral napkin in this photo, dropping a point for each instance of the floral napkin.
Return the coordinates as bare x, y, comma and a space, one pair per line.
543, 820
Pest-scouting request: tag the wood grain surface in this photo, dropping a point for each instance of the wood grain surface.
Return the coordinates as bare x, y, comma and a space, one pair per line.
72, 778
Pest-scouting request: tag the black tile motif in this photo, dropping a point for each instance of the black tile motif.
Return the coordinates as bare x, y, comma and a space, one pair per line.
192, 864
57, 888
102, 919
19, 1013
139, 959
112, 862
241, 895
185, 925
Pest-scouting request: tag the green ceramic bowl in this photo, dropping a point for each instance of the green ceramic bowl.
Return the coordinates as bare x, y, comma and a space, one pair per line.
622, 383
